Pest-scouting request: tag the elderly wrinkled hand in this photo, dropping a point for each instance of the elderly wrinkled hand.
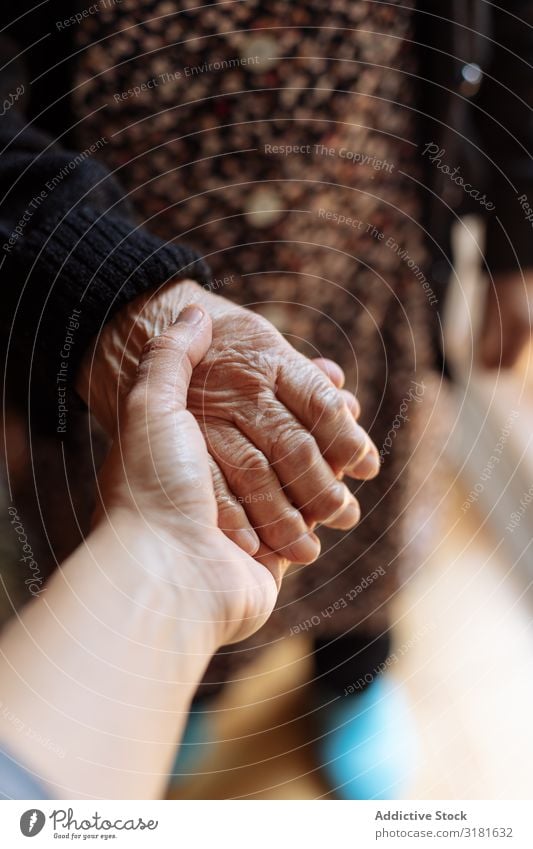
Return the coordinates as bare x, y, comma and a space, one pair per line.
279, 432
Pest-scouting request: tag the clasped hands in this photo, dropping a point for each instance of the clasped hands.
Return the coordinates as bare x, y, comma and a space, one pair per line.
167, 576
279, 428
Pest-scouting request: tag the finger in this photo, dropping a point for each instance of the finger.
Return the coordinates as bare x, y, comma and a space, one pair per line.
309, 395
332, 370
167, 360
307, 478
352, 403
275, 564
154, 415
251, 479
336, 375
232, 519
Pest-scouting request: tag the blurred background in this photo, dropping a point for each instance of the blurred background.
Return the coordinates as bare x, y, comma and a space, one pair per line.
462, 624
463, 635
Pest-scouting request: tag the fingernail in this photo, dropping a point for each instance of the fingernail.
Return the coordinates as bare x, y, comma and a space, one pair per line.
369, 466
316, 541
350, 515
347, 516
373, 461
308, 548
247, 539
191, 315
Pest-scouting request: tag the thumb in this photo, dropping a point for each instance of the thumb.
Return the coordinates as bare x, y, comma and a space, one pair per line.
167, 360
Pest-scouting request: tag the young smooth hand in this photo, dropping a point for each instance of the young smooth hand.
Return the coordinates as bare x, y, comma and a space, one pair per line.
156, 482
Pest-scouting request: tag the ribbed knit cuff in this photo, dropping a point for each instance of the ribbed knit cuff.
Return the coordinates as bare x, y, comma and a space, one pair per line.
97, 263
77, 273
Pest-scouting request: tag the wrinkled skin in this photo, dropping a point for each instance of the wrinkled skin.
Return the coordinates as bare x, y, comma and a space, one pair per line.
279, 429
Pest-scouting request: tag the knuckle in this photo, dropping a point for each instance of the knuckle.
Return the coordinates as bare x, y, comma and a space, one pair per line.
290, 522
295, 444
250, 468
337, 406
304, 447
284, 527
356, 446
325, 400
330, 501
229, 509
163, 342
229, 512
352, 401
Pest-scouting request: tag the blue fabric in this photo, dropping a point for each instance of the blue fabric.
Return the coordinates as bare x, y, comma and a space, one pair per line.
195, 743
369, 746
16, 782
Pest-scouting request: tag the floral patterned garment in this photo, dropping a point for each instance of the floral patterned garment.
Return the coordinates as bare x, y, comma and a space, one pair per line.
279, 139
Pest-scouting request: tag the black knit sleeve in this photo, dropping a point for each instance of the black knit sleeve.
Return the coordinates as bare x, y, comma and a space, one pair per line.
71, 254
